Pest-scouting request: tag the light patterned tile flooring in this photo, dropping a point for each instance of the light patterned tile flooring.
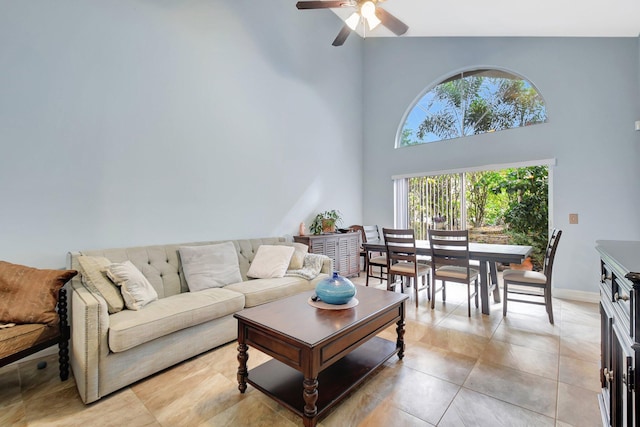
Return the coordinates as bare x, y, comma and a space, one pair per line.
457, 371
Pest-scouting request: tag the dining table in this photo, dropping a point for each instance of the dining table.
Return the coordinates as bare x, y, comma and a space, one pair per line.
487, 254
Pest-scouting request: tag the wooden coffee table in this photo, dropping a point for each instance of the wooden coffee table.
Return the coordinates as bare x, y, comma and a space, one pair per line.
318, 355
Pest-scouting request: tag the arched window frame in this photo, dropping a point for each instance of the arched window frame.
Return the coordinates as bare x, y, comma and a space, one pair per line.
459, 75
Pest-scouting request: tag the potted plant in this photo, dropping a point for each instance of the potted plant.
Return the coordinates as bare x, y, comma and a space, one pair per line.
439, 222
325, 222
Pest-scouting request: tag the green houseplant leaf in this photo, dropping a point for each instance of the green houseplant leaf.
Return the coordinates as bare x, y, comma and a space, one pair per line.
325, 220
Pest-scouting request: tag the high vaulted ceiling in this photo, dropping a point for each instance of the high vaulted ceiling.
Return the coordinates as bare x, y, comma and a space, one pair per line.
538, 18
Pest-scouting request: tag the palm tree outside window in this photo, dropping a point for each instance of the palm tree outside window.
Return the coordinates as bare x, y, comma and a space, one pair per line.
471, 103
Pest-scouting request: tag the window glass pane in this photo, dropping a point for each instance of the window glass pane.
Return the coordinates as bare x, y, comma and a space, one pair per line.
435, 202
508, 206
471, 103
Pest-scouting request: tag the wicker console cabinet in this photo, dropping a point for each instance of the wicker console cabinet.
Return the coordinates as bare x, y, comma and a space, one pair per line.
342, 248
620, 329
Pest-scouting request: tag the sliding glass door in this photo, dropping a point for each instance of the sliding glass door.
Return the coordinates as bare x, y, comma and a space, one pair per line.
497, 206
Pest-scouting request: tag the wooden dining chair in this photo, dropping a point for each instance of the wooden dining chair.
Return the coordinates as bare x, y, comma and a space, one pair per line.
373, 259
533, 283
450, 263
402, 260
361, 238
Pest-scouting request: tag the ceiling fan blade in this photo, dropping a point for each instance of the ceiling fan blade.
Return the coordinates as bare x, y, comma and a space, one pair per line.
342, 36
320, 4
391, 22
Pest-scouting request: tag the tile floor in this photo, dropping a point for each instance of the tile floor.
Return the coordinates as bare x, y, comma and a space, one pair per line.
457, 371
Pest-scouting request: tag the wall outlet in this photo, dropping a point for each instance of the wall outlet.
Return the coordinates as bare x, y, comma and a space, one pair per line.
573, 218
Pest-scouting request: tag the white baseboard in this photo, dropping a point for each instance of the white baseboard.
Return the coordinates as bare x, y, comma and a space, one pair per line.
593, 297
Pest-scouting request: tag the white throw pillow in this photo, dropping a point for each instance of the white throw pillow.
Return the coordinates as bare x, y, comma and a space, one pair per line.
297, 259
270, 261
135, 288
210, 266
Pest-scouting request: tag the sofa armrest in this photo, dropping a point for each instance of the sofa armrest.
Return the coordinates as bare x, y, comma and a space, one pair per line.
327, 266
89, 332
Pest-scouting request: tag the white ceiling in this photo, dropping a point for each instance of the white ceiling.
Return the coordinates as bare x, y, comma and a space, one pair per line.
541, 18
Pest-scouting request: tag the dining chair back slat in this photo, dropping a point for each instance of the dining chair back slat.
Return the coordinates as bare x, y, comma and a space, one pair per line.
371, 259
450, 263
371, 232
533, 284
402, 259
550, 253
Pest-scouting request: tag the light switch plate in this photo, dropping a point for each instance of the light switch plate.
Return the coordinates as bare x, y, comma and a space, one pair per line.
573, 218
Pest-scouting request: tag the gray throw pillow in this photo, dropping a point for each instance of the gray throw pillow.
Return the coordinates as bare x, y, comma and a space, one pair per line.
210, 266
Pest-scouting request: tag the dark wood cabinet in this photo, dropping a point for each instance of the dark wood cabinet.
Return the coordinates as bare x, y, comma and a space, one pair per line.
620, 348
342, 248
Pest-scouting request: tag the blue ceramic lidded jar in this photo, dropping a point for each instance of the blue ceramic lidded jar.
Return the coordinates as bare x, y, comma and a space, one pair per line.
335, 290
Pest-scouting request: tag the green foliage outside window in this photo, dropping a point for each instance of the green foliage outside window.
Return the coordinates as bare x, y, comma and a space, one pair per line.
528, 211
514, 200
472, 103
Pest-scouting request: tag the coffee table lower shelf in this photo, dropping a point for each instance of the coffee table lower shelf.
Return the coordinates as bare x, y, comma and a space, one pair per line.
284, 384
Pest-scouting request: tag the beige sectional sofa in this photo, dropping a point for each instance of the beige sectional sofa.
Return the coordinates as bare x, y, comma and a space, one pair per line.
111, 351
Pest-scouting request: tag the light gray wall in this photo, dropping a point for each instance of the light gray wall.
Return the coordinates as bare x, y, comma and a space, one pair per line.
591, 87
154, 121
141, 122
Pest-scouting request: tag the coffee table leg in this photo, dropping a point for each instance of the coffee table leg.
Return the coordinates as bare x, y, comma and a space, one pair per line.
310, 395
243, 356
400, 331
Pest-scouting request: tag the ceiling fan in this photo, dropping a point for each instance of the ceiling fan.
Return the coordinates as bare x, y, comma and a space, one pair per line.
366, 11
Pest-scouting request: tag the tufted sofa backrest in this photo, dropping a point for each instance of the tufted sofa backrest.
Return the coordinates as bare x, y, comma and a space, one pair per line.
161, 263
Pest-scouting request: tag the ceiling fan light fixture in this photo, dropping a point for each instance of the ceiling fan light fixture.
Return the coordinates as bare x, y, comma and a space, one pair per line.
365, 10
373, 22
353, 20
368, 10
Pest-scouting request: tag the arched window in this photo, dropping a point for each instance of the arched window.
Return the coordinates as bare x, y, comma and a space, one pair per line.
470, 103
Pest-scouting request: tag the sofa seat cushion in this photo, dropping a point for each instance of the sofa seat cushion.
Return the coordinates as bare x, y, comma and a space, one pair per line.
260, 291
129, 328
